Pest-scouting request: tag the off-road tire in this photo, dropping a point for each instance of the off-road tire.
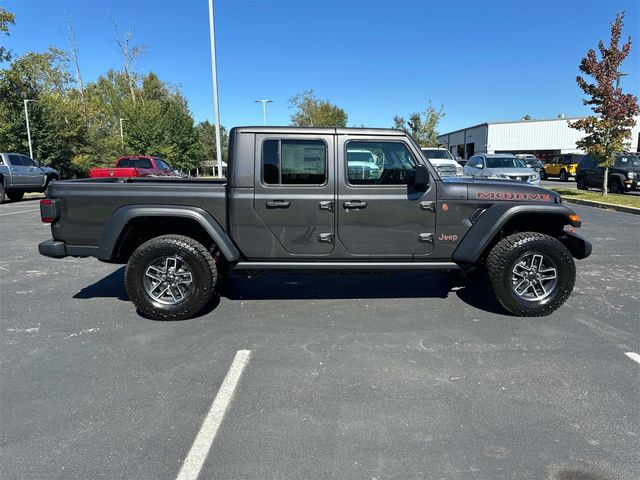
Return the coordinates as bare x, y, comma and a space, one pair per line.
504, 256
564, 176
193, 254
581, 184
615, 186
15, 196
3, 194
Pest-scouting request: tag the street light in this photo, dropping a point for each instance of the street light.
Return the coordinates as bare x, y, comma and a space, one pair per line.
264, 109
26, 116
214, 74
122, 135
618, 79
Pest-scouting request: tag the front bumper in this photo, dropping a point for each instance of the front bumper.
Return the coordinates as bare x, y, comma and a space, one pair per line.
578, 246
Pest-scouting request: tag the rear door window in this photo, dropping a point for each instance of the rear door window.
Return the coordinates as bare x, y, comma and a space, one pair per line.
294, 162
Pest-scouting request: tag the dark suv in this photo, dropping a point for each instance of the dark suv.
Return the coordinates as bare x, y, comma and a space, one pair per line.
624, 175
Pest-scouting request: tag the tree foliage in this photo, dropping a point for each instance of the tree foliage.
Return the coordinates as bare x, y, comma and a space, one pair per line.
6, 19
609, 131
422, 126
312, 112
76, 126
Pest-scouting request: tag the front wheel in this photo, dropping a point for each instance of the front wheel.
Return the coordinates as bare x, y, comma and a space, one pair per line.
564, 176
532, 274
171, 277
616, 187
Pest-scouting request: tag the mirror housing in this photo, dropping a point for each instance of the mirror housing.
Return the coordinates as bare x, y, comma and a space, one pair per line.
421, 177
478, 165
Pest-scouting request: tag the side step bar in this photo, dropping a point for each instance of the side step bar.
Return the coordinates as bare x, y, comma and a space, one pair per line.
377, 266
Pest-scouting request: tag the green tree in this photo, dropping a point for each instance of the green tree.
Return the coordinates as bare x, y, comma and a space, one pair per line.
6, 18
422, 126
610, 131
312, 112
207, 136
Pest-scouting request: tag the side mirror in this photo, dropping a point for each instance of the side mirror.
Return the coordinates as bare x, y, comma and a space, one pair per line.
421, 177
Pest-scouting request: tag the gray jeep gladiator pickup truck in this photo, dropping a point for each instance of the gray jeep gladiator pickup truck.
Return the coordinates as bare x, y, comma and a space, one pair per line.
298, 198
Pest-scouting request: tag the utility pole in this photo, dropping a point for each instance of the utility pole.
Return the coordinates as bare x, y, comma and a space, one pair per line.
26, 116
264, 109
122, 135
214, 74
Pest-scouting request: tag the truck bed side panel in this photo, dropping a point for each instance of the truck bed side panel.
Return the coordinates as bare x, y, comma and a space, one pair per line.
86, 206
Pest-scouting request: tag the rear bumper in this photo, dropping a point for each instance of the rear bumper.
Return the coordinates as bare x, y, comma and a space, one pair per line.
52, 248
58, 249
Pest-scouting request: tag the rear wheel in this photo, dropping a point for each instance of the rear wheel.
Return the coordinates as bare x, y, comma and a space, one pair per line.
171, 277
581, 184
532, 274
15, 196
564, 176
543, 174
3, 194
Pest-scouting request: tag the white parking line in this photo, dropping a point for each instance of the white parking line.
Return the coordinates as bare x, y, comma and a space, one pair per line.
201, 445
633, 356
21, 211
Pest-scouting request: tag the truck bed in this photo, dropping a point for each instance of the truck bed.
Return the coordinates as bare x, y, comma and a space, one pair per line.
86, 205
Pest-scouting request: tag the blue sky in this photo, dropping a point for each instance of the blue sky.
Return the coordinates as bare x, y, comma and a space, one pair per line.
482, 60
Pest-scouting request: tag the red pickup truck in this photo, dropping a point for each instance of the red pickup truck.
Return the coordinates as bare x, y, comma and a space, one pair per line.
135, 166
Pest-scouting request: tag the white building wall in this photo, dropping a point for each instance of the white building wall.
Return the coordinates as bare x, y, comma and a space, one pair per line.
533, 135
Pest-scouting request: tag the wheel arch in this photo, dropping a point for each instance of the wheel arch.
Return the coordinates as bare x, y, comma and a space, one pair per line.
500, 221
132, 225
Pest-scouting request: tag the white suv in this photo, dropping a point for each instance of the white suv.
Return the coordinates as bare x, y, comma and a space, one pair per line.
443, 162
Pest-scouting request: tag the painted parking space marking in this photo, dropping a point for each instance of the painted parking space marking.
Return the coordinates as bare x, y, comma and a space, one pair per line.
633, 356
21, 211
201, 445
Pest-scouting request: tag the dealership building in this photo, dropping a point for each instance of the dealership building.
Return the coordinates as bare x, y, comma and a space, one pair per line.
542, 138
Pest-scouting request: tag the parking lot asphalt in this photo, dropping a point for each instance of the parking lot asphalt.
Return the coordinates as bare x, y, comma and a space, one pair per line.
351, 376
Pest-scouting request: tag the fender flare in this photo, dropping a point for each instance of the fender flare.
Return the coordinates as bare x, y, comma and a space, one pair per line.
124, 215
491, 222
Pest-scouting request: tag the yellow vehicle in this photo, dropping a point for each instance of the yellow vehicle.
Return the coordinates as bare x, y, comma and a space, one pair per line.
562, 166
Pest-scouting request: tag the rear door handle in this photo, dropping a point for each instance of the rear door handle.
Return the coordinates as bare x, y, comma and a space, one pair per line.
278, 204
355, 204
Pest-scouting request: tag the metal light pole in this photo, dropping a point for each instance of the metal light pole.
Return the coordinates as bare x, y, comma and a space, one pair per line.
264, 109
618, 79
214, 74
26, 116
122, 134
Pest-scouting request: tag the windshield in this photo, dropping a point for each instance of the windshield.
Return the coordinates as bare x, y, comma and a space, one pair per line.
436, 153
504, 162
627, 161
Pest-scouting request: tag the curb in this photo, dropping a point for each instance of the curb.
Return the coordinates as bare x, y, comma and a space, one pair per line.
606, 206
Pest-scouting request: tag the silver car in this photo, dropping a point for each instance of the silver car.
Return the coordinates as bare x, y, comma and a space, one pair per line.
20, 174
501, 166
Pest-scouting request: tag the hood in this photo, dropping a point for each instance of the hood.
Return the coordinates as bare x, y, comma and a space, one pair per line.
489, 191
512, 171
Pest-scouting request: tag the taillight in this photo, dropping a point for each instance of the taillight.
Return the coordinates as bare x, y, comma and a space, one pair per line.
48, 211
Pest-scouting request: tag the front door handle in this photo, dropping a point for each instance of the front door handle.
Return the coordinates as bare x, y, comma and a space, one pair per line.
278, 204
355, 204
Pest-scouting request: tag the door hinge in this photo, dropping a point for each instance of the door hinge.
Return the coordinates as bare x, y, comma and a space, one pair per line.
426, 237
326, 205
325, 238
431, 206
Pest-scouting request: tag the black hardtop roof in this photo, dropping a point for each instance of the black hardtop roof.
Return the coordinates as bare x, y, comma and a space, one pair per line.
321, 130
